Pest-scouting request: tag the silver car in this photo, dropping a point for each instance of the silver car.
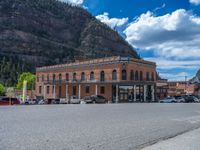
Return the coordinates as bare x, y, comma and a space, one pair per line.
168, 100
75, 100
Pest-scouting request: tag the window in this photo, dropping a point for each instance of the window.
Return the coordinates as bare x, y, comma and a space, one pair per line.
74, 90
152, 76
147, 76
40, 89
102, 76
87, 89
74, 77
67, 77
114, 75
82, 76
141, 76
47, 89
123, 74
102, 89
132, 75
38, 78
42, 77
136, 75
92, 75
60, 77
54, 78
48, 77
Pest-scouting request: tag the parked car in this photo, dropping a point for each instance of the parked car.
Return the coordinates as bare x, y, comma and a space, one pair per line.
42, 102
168, 100
64, 101
9, 101
180, 99
88, 99
55, 101
31, 102
191, 99
98, 99
75, 100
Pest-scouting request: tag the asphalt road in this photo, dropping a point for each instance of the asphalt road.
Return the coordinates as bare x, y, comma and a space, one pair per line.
94, 127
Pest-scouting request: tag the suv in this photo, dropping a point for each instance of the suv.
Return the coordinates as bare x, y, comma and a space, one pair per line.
98, 99
191, 99
9, 101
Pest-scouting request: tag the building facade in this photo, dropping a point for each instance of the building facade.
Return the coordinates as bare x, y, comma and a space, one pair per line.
161, 89
117, 79
179, 88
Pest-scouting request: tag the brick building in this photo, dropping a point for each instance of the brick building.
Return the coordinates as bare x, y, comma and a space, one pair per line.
178, 88
118, 79
161, 89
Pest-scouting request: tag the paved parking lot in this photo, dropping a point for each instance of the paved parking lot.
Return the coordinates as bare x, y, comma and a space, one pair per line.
94, 127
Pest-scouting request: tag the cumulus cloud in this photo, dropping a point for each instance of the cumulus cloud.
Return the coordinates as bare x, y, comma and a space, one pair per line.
166, 64
75, 2
195, 2
112, 22
174, 35
176, 76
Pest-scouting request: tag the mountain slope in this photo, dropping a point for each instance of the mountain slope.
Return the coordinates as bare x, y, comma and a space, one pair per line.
45, 32
196, 79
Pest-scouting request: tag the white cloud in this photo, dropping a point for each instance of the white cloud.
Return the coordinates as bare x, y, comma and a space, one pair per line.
195, 2
112, 22
172, 35
75, 2
166, 64
176, 76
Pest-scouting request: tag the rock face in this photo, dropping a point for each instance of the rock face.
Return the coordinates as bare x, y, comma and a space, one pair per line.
45, 32
196, 79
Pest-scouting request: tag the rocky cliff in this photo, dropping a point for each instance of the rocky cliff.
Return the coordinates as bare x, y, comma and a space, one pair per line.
45, 32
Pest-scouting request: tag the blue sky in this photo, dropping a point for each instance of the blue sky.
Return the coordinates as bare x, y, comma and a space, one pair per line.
164, 31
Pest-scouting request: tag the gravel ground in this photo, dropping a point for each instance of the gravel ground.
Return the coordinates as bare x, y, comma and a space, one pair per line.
94, 127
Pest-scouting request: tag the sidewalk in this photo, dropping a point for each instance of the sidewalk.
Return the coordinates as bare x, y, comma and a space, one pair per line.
187, 141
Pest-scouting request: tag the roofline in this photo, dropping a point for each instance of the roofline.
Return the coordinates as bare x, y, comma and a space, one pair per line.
98, 60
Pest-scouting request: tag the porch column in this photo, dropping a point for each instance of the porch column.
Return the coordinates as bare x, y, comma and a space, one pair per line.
145, 93
96, 89
67, 95
44, 92
152, 93
134, 87
54, 91
117, 93
79, 91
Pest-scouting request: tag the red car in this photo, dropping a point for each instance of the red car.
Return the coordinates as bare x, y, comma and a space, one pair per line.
9, 101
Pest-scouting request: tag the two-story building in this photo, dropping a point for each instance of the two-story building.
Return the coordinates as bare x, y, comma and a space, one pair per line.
118, 79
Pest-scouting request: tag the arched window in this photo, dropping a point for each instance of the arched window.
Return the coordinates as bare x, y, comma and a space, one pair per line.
114, 75
152, 76
123, 74
136, 75
67, 77
102, 76
82, 76
54, 77
141, 76
132, 75
60, 77
48, 77
74, 76
92, 75
147, 76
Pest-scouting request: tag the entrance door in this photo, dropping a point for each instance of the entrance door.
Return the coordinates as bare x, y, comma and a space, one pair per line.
126, 93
